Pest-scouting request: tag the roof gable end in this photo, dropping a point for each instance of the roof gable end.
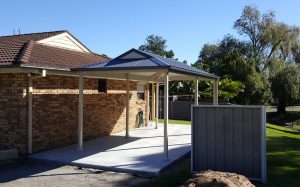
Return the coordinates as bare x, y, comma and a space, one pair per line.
136, 55
65, 40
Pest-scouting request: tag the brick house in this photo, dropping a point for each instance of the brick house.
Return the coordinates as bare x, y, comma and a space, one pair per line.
54, 101
55, 92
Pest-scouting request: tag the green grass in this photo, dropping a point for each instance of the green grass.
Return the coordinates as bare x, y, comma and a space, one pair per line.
283, 156
172, 121
283, 161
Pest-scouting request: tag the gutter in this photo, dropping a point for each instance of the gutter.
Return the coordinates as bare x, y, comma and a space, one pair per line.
41, 67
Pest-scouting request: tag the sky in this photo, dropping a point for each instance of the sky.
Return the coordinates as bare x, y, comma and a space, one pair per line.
112, 27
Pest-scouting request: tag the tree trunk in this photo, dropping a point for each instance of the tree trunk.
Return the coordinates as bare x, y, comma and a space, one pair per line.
281, 108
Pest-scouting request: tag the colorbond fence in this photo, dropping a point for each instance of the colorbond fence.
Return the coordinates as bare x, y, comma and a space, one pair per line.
229, 138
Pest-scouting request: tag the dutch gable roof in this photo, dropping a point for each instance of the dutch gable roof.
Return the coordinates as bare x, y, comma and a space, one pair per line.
36, 50
137, 59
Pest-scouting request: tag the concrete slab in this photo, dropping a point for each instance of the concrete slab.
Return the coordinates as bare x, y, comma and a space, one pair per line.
141, 153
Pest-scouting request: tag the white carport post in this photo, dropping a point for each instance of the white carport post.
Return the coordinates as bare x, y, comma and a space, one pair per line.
166, 114
30, 90
156, 104
80, 114
196, 91
147, 105
215, 97
127, 105
152, 102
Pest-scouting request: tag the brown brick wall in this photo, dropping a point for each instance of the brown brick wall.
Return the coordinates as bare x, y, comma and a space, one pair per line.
55, 110
13, 111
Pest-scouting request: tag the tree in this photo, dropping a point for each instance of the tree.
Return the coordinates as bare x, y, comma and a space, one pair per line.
266, 47
157, 45
228, 89
207, 56
268, 39
286, 87
229, 60
225, 58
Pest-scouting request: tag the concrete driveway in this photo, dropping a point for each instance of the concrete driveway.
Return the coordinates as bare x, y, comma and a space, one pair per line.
141, 153
28, 173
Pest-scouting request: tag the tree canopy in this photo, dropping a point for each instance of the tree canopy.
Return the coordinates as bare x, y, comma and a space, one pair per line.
264, 49
157, 45
259, 67
286, 86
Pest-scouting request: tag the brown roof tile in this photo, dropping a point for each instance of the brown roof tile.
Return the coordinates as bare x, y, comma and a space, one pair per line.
23, 50
9, 51
11, 46
26, 52
58, 58
31, 36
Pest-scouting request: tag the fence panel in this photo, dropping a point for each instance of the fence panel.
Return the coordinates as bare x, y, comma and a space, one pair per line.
229, 138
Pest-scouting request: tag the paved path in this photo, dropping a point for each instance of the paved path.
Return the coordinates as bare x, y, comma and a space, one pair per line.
141, 154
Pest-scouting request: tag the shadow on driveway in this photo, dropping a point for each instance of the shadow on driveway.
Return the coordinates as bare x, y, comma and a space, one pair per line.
24, 172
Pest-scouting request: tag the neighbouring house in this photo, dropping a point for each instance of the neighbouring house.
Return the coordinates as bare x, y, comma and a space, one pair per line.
54, 91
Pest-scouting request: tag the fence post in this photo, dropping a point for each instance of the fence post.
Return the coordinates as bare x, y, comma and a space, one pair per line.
215, 99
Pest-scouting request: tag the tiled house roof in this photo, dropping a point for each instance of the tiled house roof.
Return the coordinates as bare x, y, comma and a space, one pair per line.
52, 57
23, 50
11, 46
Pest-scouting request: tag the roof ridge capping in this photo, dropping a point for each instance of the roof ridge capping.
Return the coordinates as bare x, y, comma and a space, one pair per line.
188, 67
57, 31
26, 52
157, 60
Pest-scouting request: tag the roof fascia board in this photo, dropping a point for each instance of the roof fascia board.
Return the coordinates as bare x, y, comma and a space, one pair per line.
132, 69
49, 71
41, 67
107, 74
10, 69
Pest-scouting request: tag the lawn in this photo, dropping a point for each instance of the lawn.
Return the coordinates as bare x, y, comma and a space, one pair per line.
283, 156
283, 161
172, 121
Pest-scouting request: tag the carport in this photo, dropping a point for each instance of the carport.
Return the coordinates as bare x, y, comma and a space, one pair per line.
136, 65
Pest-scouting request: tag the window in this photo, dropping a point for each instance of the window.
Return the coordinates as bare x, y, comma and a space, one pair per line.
140, 92
102, 85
